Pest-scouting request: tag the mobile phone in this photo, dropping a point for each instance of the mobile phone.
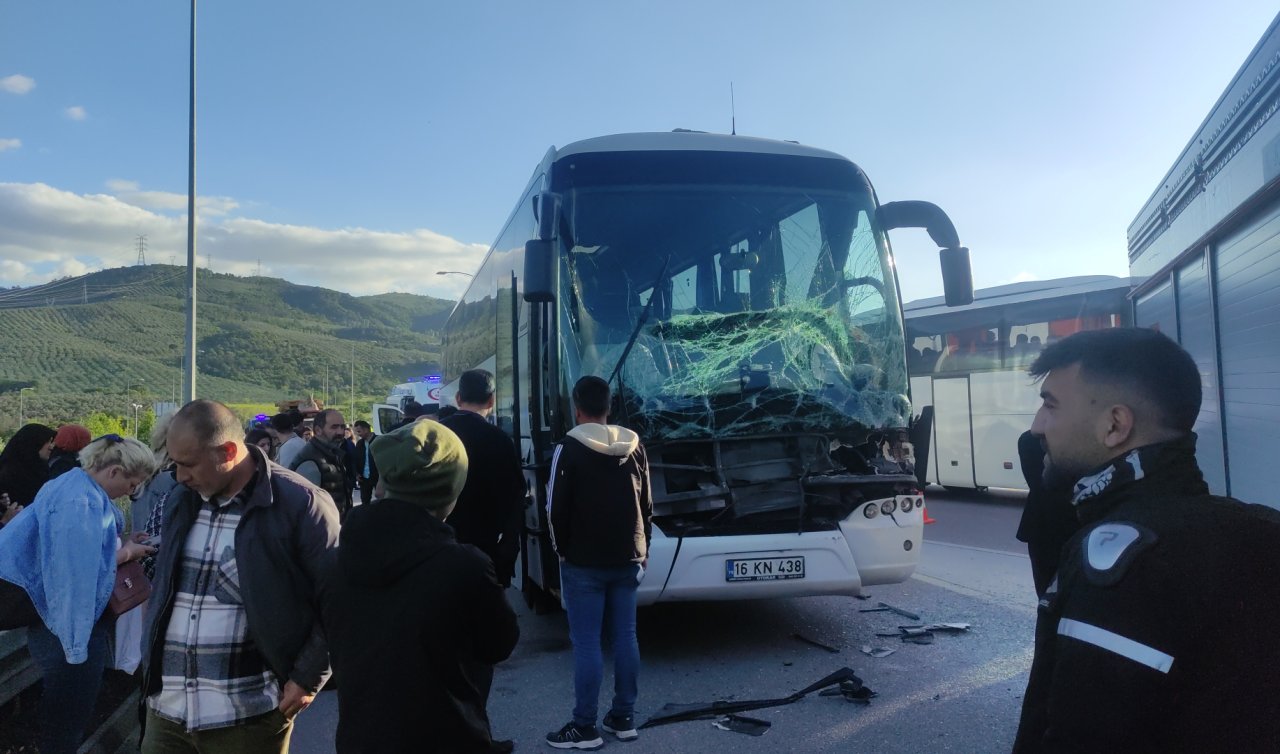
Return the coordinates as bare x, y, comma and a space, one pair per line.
153, 541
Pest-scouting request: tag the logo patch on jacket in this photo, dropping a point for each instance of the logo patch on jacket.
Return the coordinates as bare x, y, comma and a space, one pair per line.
1109, 550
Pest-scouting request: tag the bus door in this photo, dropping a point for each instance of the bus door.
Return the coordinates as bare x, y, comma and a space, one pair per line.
953, 432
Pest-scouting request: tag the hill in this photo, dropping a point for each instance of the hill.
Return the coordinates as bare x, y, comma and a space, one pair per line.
105, 340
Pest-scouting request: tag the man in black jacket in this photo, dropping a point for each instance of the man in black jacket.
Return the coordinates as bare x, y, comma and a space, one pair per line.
490, 509
323, 461
366, 468
233, 647
601, 510
1048, 518
1153, 636
416, 620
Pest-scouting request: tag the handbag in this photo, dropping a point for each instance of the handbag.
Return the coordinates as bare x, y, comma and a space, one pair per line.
16, 608
132, 588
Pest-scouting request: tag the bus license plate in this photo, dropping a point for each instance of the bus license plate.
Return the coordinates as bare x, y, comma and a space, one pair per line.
764, 569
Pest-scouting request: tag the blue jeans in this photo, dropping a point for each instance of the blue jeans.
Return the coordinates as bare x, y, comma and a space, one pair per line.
599, 600
70, 691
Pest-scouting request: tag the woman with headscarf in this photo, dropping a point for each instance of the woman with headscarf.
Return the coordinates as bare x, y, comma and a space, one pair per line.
24, 463
63, 552
67, 444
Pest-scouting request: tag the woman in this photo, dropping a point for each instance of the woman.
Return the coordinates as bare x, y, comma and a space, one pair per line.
24, 463
63, 551
263, 439
148, 506
67, 444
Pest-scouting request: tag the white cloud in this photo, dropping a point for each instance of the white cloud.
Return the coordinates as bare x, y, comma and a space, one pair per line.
17, 84
47, 229
76, 112
129, 192
10, 144
13, 272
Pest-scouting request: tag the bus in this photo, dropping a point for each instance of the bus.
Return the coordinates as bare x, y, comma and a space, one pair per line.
739, 295
969, 364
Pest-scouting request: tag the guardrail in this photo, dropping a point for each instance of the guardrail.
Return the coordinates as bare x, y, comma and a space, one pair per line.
18, 672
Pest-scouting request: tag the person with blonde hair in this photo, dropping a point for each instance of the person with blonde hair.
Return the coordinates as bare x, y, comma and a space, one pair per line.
63, 551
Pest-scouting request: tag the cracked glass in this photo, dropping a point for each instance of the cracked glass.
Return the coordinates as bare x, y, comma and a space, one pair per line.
734, 310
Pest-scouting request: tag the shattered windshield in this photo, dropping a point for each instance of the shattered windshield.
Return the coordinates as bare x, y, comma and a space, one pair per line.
740, 309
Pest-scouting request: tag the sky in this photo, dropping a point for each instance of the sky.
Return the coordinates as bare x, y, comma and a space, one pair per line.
366, 146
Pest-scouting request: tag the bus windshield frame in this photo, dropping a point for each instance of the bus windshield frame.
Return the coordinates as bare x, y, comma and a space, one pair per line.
731, 294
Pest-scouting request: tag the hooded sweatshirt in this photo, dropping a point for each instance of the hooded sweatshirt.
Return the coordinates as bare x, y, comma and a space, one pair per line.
599, 501
413, 619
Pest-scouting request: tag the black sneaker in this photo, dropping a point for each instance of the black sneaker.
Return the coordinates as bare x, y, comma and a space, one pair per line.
622, 726
576, 737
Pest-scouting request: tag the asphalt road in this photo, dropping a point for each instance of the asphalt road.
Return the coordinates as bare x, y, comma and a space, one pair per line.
962, 693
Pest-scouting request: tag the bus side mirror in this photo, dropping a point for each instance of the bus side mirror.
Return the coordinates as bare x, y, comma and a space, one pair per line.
539, 253
957, 276
957, 273
539, 260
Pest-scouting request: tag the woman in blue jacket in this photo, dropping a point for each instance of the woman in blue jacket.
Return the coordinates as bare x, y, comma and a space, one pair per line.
63, 550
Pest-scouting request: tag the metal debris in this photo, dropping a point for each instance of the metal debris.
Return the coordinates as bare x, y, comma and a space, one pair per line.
867, 649
742, 724
852, 690
815, 643
675, 713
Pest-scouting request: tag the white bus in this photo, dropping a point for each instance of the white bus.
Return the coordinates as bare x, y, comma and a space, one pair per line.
739, 295
969, 363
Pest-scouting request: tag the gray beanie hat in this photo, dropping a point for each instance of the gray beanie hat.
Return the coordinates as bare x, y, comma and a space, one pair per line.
422, 463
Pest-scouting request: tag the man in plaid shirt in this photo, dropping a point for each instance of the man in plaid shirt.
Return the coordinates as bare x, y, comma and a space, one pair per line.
234, 648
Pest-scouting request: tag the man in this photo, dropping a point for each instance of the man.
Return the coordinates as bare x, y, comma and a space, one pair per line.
1155, 634
285, 427
323, 461
366, 468
600, 506
1048, 518
415, 616
490, 510
233, 648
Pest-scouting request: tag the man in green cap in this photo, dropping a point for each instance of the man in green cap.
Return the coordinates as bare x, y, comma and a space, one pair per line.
415, 619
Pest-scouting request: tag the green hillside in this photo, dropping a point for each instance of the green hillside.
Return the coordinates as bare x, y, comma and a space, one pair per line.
103, 341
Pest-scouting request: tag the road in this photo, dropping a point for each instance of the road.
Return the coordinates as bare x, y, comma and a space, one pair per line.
962, 693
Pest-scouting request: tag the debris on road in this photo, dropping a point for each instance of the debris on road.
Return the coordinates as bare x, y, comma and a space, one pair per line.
923, 634
677, 713
815, 643
899, 611
867, 649
852, 690
743, 724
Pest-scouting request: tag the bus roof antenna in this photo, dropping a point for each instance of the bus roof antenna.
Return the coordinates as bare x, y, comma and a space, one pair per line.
733, 113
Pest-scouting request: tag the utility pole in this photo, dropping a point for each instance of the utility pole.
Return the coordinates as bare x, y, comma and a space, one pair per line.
259, 269
142, 250
189, 371
84, 290
22, 414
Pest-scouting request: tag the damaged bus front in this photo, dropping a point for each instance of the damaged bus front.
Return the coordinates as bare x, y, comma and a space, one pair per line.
740, 297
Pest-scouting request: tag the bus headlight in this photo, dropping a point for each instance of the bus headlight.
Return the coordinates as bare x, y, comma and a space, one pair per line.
907, 504
888, 507
871, 510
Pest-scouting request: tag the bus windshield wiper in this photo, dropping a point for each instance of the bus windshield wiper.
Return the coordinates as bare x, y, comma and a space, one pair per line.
644, 317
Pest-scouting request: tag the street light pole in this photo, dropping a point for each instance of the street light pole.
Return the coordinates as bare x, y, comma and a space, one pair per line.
22, 416
189, 361
352, 416
136, 406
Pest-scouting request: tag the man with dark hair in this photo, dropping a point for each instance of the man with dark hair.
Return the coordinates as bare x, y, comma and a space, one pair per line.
490, 510
233, 647
366, 468
289, 443
1128, 656
323, 461
600, 506
416, 620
